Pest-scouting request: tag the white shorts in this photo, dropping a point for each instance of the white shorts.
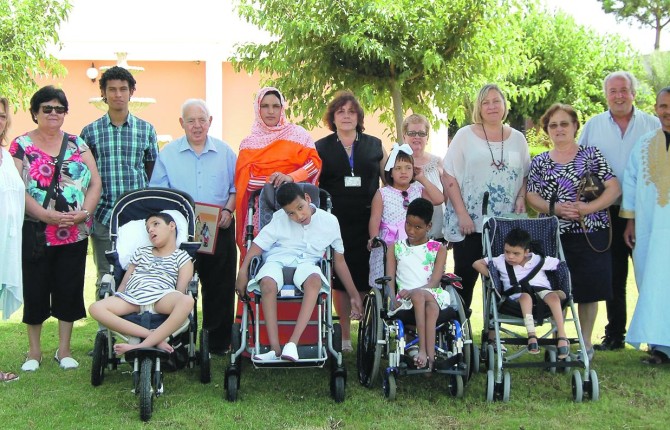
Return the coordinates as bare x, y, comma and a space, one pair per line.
303, 271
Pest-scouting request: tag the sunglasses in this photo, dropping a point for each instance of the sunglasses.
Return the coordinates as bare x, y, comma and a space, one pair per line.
405, 199
416, 133
563, 124
48, 109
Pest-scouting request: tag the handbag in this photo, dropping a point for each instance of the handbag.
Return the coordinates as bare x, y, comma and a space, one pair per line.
33, 232
590, 186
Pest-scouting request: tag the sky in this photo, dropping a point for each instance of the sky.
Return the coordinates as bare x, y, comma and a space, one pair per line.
590, 13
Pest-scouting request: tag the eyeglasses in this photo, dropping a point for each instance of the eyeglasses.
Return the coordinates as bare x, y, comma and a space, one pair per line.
405, 199
416, 133
48, 109
563, 124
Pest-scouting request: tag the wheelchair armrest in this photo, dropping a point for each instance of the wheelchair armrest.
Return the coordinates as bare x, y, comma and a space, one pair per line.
451, 279
107, 286
254, 265
193, 288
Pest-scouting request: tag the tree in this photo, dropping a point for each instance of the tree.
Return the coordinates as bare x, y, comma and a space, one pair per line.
27, 29
571, 64
649, 13
407, 54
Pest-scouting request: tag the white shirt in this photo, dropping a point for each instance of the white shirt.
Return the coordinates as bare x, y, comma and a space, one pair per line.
540, 279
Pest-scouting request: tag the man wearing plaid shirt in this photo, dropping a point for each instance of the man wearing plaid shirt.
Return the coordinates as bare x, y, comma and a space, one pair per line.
125, 150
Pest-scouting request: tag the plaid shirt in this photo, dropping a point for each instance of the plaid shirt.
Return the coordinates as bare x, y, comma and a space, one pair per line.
120, 153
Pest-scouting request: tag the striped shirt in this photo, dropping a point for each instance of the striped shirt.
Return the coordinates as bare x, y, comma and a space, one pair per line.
153, 277
120, 153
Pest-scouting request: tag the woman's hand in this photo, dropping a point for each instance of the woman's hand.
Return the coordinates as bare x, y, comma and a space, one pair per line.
465, 224
278, 178
54, 217
520, 205
567, 210
68, 219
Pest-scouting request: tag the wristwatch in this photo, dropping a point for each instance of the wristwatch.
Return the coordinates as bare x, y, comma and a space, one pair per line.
88, 214
228, 210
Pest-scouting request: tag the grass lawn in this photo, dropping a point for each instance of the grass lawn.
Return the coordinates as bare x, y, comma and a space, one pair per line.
633, 395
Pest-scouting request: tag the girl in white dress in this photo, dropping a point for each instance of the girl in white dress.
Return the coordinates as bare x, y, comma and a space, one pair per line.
156, 275
416, 266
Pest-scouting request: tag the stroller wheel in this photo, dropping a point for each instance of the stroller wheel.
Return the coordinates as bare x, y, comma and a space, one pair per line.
99, 359
490, 357
577, 386
146, 391
507, 387
490, 386
550, 357
592, 386
205, 362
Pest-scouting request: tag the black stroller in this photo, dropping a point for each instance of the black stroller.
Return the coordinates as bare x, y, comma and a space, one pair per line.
130, 210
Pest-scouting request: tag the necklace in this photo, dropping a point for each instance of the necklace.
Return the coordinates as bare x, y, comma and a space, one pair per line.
500, 164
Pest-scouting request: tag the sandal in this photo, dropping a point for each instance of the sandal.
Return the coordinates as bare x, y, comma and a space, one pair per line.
533, 347
656, 358
8, 377
563, 351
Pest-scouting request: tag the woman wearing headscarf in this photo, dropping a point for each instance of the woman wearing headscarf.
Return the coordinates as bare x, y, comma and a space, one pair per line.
275, 152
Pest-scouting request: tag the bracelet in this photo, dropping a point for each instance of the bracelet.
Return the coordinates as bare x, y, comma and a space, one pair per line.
88, 214
227, 210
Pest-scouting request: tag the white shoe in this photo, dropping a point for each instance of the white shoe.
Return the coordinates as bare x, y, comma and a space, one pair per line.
66, 363
30, 365
267, 356
290, 352
346, 346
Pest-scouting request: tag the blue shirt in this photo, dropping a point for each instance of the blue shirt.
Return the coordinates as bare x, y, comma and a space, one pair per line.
602, 132
208, 177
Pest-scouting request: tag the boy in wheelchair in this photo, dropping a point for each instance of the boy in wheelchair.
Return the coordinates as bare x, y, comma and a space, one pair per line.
297, 236
158, 275
522, 273
416, 266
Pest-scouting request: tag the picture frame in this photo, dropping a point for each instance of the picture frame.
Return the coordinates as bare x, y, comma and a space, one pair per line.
207, 219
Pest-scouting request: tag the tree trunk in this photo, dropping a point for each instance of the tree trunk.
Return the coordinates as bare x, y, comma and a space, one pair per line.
398, 112
657, 42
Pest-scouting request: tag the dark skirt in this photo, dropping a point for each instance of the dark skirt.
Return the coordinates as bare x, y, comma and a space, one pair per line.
590, 271
353, 216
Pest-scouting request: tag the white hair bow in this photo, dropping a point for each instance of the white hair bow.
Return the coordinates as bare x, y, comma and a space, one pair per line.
394, 154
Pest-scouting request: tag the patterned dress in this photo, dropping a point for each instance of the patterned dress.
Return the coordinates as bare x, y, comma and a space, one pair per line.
414, 269
154, 277
392, 226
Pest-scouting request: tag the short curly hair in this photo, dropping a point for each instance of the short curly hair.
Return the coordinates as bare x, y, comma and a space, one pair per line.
544, 121
117, 73
341, 99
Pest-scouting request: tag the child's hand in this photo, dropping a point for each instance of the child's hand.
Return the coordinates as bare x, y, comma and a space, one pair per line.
356, 308
241, 286
418, 173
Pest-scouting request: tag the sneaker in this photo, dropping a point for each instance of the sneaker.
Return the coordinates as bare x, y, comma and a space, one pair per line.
290, 352
610, 344
66, 363
346, 346
267, 356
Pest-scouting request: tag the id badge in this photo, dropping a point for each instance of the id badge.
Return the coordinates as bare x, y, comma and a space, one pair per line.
352, 181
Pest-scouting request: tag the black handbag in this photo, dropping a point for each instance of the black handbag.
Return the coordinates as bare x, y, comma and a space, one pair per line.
34, 240
590, 186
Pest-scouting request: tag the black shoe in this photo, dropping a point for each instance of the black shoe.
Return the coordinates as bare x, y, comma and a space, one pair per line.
610, 344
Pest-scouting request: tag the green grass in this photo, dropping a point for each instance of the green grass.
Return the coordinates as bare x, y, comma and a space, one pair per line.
632, 395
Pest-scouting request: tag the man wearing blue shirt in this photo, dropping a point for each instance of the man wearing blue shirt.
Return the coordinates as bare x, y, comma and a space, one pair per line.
204, 167
614, 133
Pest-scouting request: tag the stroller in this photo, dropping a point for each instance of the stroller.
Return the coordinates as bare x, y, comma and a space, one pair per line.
321, 340
498, 312
394, 338
127, 232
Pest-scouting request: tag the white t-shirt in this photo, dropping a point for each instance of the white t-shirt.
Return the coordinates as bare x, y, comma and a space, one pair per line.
540, 279
290, 243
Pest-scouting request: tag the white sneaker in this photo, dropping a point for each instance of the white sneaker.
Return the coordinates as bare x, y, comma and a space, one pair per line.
30, 365
66, 363
267, 356
346, 346
290, 352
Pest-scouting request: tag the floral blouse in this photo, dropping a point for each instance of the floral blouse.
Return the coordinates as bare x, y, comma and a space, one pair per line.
547, 177
38, 171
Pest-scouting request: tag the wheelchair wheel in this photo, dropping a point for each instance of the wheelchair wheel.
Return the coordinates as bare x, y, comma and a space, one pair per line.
236, 337
337, 388
232, 386
99, 359
456, 386
490, 386
390, 386
146, 391
370, 331
205, 362
577, 386
468, 348
337, 337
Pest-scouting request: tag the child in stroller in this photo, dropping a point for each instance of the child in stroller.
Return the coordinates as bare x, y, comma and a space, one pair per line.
157, 275
522, 274
297, 237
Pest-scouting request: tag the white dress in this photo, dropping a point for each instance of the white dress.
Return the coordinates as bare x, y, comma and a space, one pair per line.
12, 206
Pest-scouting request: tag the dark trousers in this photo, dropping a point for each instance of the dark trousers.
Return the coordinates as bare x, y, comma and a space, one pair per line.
616, 308
217, 277
467, 252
